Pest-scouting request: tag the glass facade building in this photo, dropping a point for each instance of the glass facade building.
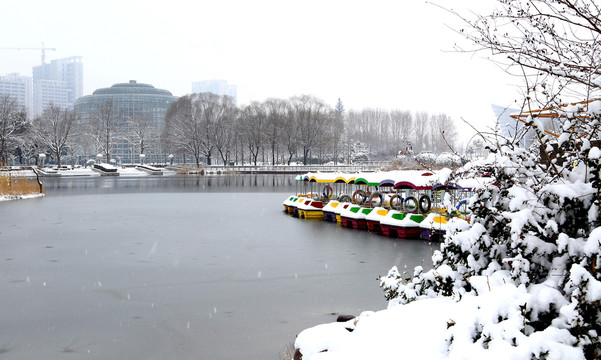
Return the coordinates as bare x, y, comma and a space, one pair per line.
130, 101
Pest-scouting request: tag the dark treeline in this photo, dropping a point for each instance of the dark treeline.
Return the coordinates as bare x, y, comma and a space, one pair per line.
207, 128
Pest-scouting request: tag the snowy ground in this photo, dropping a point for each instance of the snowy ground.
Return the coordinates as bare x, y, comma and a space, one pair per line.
423, 329
18, 197
77, 172
127, 171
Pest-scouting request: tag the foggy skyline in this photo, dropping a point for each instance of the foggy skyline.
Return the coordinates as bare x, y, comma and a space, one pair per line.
387, 54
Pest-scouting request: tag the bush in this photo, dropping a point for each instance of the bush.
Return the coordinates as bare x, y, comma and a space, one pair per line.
538, 229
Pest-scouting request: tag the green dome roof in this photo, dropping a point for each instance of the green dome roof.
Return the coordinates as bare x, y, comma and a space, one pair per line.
132, 87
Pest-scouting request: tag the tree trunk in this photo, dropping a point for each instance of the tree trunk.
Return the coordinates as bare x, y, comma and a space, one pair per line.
273, 153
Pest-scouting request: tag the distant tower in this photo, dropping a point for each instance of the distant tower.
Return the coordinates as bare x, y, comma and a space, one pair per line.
19, 87
217, 87
60, 82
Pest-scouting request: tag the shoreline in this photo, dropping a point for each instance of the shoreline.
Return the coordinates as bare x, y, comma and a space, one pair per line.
20, 197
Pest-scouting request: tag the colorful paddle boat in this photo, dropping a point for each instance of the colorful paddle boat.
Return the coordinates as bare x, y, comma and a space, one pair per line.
353, 217
397, 224
310, 209
434, 227
373, 219
329, 213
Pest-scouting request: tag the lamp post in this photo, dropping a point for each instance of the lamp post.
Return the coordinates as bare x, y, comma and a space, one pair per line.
170, 159
42, 158
142, 156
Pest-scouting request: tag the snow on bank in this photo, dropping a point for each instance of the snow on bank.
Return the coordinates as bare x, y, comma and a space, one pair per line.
423, 329
126, 171
19, 197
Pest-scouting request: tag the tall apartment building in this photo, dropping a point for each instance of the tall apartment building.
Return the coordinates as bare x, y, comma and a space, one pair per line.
19, 87
59, 82
217, 87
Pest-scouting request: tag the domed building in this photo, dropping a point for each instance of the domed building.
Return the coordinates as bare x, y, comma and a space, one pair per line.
132, 112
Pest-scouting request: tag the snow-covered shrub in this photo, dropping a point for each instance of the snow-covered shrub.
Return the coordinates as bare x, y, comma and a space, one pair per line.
535, 232
448, 159
426, 157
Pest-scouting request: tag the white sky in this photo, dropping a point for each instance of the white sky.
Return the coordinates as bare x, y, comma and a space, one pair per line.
391, 54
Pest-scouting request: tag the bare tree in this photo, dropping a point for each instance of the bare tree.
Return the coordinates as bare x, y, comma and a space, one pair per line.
443, 133
253, 119
141, 131
54, 129
209, 109
421, 132
183, 129
289, 134
277, 110
401, 127
225, 128
311, 117
13, 126
102, 128
554, 45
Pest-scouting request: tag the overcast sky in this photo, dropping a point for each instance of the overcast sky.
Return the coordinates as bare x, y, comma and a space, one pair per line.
391, 54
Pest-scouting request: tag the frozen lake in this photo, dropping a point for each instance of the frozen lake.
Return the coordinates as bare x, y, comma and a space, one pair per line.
178, 268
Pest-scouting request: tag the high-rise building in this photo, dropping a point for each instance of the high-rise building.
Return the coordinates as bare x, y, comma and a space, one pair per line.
59, 82
217, 87
129, 101
19, 87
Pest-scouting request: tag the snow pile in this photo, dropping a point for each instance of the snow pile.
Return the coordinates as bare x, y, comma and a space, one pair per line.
20, 197
448, 159
441, 328
522, 281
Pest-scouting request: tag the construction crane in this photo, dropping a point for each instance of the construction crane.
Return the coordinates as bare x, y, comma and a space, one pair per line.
43, 48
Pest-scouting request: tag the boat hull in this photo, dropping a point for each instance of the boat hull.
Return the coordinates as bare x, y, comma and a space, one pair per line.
360, 224
400, 232
373, 226
432, 235
329, 216
310, 214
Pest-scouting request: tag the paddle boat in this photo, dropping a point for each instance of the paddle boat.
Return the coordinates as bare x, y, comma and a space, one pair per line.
299, 200
310, 209
339, 210
398, 224
340, 191
329, 210
353, 217
374, 217
408, 206
290, 202
434, 227
456, 196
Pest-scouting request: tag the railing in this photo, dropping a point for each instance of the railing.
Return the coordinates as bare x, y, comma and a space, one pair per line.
294, 169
